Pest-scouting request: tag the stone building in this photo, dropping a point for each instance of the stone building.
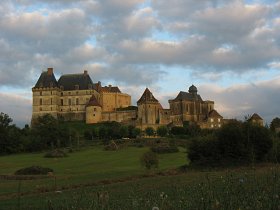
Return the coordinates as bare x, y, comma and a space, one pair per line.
256, 119
76, 97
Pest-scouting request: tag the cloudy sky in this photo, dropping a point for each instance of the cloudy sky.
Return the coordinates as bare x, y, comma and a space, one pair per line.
229, 49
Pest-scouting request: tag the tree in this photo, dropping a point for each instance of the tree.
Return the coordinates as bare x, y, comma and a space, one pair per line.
124, 131
5, 120
178, 130
150, 131
135, 132
275, 123
162, 131
49, 131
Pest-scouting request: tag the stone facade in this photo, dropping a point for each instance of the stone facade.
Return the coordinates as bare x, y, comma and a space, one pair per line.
76, 97
69, 97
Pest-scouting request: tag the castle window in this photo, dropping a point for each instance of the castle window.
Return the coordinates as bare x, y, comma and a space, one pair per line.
51, 108
40, 93
212, 120
77, 101
94, 109
41, 101
69, 101
61, 110
219, 120
40, 108
61, 93
51, 101
69, 93
94, 115
61, 102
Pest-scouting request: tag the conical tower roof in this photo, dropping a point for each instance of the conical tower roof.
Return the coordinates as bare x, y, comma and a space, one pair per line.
93, 102
147, 97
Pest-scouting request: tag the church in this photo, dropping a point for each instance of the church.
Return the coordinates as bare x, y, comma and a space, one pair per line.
74, 97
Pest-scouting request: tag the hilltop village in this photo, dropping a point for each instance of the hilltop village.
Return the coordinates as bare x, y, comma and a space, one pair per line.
74, 97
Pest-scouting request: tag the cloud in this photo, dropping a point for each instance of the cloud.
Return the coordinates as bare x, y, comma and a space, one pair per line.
17, 107
138, 42
238, 101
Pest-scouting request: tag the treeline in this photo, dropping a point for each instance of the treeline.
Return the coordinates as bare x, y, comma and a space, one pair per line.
49, 133
236, 143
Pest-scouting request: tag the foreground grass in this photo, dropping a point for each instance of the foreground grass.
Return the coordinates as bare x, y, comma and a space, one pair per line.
82, 167
244, 188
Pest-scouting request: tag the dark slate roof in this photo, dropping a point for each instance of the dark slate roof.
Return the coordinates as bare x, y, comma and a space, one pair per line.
187, 96
111, 89
69, 81
97, 86
93, 102
255, 116
214, 113
46, 80
192, 89
147, 97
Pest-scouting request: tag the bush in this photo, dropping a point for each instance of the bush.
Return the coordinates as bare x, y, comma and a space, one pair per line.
149, 160
164, 148
33, 170
55, 154
204, 151
162, 131
150, 131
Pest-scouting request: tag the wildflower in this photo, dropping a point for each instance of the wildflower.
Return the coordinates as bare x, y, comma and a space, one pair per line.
241, 180
155, 208
163, 195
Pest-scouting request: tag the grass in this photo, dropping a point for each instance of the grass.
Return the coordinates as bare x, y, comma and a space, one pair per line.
82, 167
244, 188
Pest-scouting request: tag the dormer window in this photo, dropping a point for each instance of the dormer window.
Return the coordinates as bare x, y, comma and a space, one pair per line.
51, 84
76, 87
89, 86
61, 87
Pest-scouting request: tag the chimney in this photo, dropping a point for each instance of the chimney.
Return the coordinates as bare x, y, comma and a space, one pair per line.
85, 72
50, 71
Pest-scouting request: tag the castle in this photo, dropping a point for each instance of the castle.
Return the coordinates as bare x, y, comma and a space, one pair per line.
76, 97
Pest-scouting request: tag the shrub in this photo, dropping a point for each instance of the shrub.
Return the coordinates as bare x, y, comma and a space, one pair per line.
150, 131
149, 160
204, 151
164, 148
55, 154
33, 170
162, 131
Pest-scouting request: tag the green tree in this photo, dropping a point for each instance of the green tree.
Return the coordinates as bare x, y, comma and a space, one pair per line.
135, 132
150, 131
178, 130
162, 131
49, 131
124, 131
275, 123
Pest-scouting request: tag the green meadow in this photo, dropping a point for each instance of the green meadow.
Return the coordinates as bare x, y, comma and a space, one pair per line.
96, 179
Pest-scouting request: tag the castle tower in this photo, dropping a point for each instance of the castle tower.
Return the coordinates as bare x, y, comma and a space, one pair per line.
148, 110
93, 111
45, 95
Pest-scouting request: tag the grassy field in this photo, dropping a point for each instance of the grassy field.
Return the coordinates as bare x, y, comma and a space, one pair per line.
242, 188
82, 167
96, 179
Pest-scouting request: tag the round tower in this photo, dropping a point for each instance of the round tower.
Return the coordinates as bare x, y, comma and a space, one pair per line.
93, 111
